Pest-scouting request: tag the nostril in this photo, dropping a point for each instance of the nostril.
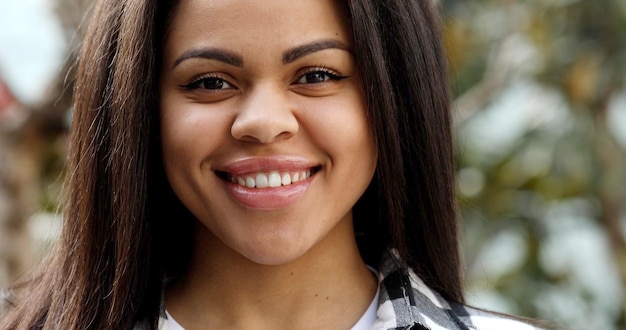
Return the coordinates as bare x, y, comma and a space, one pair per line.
264, 130
265, 117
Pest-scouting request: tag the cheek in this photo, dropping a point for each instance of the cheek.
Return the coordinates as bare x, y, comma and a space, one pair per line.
188, 138
341, 125
178, 158
176, 141
191, 130
190, 135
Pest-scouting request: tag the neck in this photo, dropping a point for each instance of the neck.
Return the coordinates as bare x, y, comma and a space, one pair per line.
328, 287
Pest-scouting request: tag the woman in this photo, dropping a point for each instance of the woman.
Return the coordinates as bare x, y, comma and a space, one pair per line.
247, 164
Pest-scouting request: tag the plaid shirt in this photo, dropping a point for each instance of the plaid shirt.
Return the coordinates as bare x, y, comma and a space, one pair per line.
406, 303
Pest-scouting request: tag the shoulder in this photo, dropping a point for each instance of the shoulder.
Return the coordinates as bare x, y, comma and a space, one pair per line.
466, 316
470, 317
486, 320
406, 302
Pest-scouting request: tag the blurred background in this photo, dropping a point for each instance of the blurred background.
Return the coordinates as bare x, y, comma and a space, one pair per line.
539, 91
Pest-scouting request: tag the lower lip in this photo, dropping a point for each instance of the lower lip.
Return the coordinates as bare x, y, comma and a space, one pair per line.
268, 198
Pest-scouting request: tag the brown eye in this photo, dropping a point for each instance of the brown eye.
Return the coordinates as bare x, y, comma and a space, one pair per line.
211, 83
319, 76
314, 77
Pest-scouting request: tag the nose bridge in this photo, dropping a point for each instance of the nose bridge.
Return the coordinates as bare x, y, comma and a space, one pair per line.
265, 116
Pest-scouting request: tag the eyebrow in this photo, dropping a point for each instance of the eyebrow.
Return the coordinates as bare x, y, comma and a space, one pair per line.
211, 54
298, 52
289, 56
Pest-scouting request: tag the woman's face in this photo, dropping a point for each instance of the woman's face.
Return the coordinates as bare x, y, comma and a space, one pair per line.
264, 133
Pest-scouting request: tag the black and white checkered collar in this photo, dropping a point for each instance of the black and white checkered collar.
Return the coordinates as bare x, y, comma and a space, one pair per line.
407, 303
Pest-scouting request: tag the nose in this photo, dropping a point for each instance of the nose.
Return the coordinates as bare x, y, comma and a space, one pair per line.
265, 117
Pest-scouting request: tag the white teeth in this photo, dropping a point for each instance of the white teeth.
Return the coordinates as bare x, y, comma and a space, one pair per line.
272, 179
286, 179
261, 181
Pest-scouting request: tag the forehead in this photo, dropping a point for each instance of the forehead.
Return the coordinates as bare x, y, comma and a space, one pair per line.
267, 25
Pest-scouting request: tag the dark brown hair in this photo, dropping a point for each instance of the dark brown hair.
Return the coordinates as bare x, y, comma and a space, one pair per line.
398, 47
124, 230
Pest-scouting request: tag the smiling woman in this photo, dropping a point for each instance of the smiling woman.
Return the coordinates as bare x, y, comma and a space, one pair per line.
257, 165
277, 104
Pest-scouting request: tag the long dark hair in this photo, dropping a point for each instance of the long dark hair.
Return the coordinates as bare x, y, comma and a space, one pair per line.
398, 47
124, 229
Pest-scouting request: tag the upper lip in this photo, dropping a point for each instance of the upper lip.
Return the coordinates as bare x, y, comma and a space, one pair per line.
265, 164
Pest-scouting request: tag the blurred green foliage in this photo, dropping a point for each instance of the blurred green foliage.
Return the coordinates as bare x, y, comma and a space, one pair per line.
541, 115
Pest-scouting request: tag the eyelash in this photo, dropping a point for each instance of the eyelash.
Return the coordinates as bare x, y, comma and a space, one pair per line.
332, 75
195, 84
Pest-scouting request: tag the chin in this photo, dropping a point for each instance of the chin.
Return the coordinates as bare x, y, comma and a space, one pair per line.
275, 255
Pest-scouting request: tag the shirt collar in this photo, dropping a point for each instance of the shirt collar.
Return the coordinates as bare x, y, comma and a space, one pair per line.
406, 302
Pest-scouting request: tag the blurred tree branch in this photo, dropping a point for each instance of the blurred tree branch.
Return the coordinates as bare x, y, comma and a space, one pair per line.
26, 136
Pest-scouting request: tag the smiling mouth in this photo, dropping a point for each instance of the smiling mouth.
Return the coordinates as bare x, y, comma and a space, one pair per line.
268, 179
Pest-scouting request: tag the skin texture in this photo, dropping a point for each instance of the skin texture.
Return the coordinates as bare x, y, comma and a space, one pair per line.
240, 94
